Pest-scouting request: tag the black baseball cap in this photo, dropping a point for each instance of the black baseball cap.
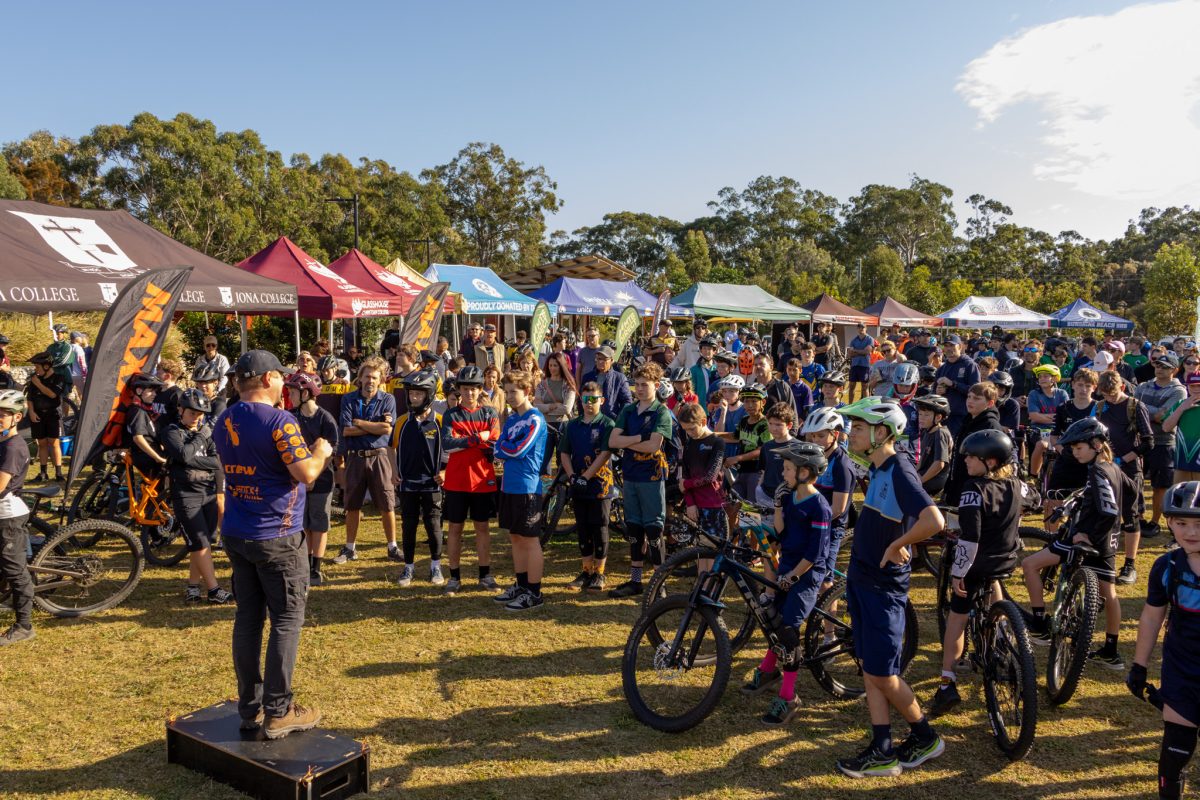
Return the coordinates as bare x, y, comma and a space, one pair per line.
1169, 359
489, 327
428, 355
952, 339
258, 362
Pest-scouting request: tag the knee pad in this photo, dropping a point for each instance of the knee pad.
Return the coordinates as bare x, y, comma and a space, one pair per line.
788, 650
1178, 744
635, 535
654, 535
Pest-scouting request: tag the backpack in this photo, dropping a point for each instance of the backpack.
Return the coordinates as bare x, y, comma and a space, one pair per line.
1175, 577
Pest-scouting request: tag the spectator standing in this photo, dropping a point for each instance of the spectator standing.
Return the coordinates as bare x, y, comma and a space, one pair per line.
366, 419
689, 351
859, 350
212, 357
472, 338
613, 385
954, 379
489, 352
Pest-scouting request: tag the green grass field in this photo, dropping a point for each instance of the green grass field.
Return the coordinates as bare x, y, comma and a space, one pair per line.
458, 698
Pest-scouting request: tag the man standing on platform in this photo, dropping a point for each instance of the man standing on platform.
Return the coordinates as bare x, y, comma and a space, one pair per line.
267, 466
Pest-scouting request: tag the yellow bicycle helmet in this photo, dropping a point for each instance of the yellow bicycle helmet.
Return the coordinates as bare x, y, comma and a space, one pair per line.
1048, 369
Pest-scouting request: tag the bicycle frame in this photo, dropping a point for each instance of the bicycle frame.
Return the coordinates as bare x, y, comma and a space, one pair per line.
147, 497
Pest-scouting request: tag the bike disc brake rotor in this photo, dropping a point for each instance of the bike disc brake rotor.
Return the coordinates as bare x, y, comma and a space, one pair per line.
662, 663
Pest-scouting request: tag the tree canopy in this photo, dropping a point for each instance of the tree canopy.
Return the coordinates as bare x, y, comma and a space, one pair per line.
228, 194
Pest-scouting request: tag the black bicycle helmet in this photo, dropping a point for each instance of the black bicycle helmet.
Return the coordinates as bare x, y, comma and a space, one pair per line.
142, 380
195, 400
1002, 379
709, 341
206, 371
679, 374
807, 455
1182, 500
1087, 429
988, 444
836, 378
927, 372
935, 403
469, 375
424, 379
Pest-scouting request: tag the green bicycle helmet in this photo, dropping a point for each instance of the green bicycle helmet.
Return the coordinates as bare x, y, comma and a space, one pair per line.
875, 412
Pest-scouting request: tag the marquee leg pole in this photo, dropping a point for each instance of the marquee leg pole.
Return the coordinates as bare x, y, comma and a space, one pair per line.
296, 317
242, 326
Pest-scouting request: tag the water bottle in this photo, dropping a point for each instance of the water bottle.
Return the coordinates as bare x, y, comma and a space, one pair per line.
770, 613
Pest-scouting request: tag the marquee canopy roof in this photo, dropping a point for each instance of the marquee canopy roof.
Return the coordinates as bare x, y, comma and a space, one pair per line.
323, 293
984, 312
601, 298
483, 291
73, 259
356, 267
736, 300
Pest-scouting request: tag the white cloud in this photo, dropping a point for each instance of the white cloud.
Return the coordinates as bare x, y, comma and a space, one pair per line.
1119, 95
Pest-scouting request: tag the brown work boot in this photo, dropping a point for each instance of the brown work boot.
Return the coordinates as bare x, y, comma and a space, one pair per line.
253, 724
297, 718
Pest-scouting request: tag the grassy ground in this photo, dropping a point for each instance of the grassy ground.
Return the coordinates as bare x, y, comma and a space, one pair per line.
457, 698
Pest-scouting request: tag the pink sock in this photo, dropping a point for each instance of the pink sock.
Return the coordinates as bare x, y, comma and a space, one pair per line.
768, 662
787, 688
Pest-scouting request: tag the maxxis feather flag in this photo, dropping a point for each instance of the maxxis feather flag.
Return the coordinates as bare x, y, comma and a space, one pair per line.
424, 317
629, 322
661, 309
538, 325
130, 339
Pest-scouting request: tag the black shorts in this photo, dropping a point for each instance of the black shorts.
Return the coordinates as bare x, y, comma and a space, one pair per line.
592, 511
48, 426
1160, 466
520, 514
1067, 474
859, 374
476, 505
1104, 566
975, 585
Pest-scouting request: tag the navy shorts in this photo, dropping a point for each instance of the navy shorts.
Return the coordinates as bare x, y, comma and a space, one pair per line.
1181, 692
1160, 466
878, 621
859, 374
795, 606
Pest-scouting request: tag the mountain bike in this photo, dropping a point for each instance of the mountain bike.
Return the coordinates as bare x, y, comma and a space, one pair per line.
82, 568
1071, 614
105, 495
997, 646
673, 681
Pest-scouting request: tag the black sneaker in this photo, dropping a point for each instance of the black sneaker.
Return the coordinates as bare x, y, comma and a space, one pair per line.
220, 597
509, 594
596, 583
42, 476
782, 711
944, 699
870, 763
581, 580
192, 595
16, 634
315, 578
1127, 575
1039, 629
1107, 660
627, 589
760, 681
914, 752
394, 554
524, 601
1149, 529
344, 555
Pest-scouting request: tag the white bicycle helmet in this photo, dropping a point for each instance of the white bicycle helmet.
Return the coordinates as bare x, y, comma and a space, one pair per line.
822, 418
732, 382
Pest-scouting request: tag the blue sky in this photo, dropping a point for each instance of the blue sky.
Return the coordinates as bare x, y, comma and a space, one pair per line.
656, 106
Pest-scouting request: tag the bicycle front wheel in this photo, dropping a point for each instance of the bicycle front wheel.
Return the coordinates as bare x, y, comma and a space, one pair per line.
164, 545
1009, 680
553, 505
1076, 622
677, 575
664, 685
86, 567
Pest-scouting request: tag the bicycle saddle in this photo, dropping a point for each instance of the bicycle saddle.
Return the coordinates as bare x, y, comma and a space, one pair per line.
50, 490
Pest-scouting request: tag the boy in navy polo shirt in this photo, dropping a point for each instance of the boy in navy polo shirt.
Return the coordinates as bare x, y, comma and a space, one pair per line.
877, 587
584, 455
1174, 583
640, 432
522, 448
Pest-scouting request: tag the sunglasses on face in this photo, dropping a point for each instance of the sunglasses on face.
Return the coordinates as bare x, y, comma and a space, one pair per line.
591, 399
1191, 362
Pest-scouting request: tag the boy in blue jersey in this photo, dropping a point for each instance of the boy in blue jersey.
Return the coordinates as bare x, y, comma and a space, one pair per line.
1174, 584
802, 519
877, 587
522, 447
